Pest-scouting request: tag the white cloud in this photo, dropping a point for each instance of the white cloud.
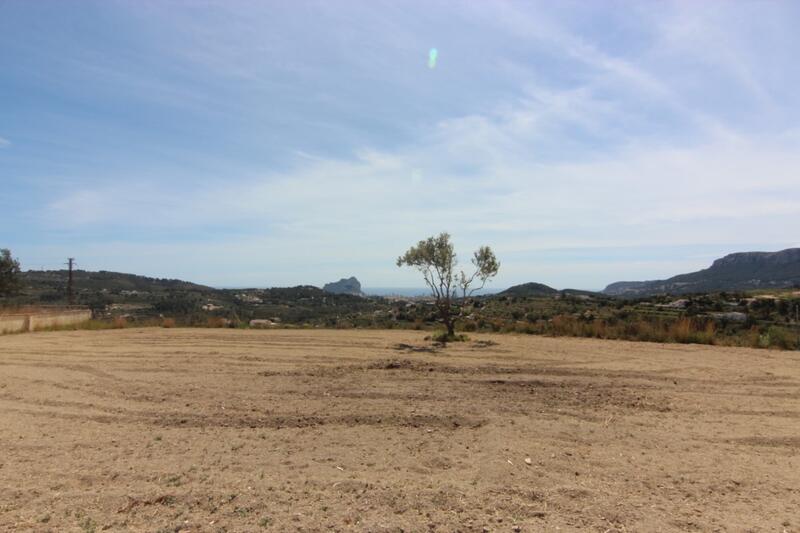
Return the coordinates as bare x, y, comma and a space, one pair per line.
583, 147
4, 142
365, 210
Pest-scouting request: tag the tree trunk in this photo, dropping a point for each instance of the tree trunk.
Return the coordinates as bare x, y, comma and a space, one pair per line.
451, 329
447, 318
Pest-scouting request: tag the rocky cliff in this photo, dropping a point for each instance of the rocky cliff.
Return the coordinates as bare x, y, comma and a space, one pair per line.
344, 286
738, 271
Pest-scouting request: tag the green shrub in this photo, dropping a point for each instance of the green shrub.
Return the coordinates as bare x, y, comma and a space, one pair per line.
470, 325
778, 337
443, 337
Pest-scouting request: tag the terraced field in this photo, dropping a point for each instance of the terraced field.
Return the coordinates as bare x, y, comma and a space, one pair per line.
307, 430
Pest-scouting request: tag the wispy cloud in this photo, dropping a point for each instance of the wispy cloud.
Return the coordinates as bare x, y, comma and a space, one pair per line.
365, 209
4, 143
664, 126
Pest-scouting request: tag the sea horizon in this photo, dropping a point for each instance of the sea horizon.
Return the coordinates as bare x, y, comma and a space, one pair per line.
416, 291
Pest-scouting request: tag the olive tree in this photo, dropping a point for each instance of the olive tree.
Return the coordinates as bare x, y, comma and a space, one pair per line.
436, 259
9, 274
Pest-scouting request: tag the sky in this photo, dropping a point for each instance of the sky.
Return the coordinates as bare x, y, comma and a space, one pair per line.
256, 144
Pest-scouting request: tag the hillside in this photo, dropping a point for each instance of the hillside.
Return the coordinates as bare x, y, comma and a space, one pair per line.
104, 280
139, 298
529, 289
540, 290
738, 271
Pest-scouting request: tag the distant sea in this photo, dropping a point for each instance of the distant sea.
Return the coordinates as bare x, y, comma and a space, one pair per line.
383, 291
414, 291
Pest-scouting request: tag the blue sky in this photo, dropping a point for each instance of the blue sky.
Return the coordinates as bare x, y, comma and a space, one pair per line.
278, 143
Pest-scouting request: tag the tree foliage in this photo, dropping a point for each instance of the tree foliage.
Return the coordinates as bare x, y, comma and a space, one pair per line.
179, 302
436, 259
10, 282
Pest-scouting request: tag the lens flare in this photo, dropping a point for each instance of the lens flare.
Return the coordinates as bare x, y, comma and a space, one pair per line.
432, 55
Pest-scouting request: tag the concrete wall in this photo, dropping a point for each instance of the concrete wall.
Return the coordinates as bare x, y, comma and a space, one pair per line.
42, 320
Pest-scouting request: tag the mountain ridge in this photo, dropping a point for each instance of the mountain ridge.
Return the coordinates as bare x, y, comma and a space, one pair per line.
735, 271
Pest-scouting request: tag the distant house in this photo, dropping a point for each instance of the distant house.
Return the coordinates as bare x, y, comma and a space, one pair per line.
262, 323
733, 316
249, 298
677, 304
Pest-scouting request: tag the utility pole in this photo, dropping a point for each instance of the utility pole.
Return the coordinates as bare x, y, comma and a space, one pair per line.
70, 292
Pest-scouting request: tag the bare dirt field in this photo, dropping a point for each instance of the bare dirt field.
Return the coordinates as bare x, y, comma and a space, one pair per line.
289, 430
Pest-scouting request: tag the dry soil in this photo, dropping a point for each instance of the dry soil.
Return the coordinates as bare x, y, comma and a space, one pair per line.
290, 430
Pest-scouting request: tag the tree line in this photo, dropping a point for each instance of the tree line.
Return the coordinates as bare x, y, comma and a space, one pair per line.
10, 282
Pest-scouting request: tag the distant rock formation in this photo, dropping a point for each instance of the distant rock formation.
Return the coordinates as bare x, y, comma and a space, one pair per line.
734, 272
344, 286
